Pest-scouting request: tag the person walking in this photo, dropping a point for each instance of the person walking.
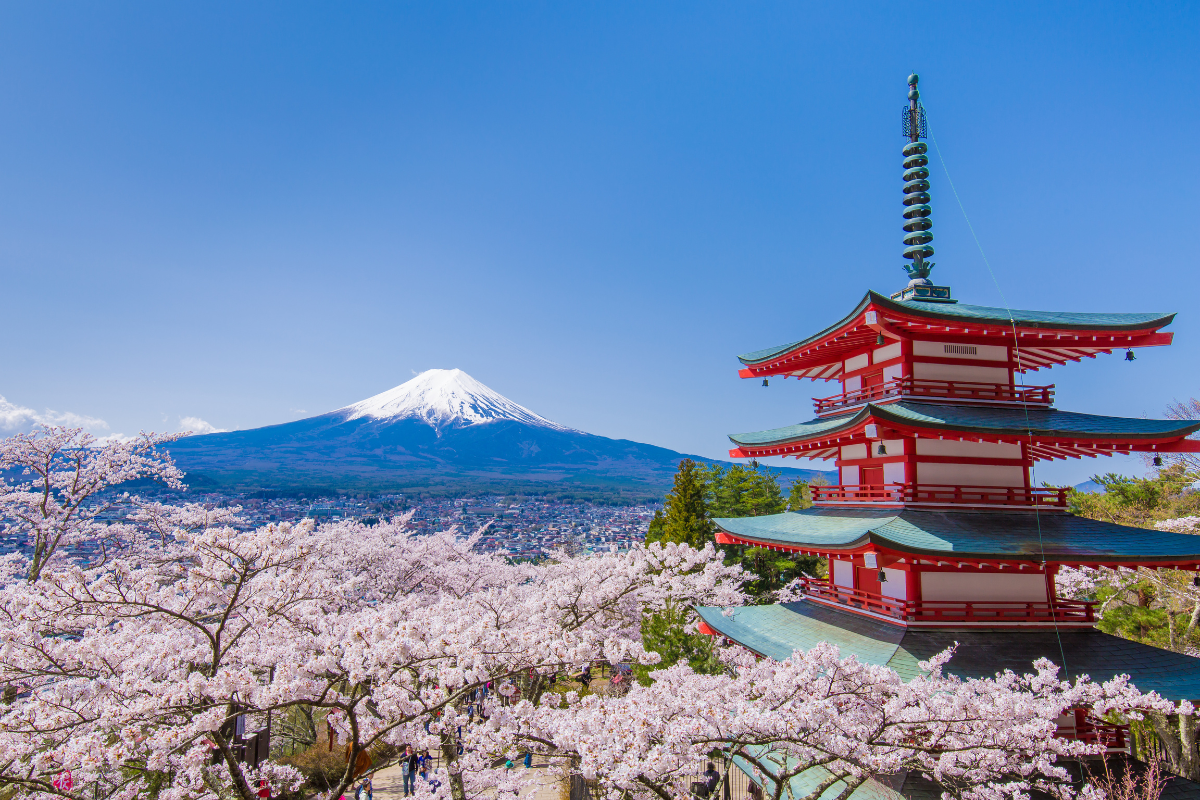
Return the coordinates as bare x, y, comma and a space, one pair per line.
404, 770
409, 768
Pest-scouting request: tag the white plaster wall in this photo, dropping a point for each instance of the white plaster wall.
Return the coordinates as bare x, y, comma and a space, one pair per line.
858, 362
893, 471
946, 447
854, 451
854, 384
983, 587
895, 447
849, 476
843, 573
960, 372
983, 352
891, 373
969, 475
885, 353
896, 585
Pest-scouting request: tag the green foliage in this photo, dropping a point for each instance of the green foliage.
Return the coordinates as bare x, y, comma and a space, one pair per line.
1160, 607
800, 497
774, 570
1139, 501
684, 518
705, 492
666, 633
743, 491
1141, 624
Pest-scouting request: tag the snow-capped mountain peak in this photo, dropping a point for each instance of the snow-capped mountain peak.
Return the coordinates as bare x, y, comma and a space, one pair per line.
444, 397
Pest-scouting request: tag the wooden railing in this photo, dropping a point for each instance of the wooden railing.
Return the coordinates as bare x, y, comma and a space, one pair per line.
950, 611
940, 390
1086, 727
941, 495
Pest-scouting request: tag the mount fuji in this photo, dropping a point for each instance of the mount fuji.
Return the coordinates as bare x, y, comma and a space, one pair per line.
441, 432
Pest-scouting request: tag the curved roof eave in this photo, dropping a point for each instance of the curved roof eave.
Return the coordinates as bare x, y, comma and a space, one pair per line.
978, 420
1054, 320
940, 534
803, 430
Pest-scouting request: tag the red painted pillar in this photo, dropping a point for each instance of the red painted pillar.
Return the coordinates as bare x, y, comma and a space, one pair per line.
1051, 592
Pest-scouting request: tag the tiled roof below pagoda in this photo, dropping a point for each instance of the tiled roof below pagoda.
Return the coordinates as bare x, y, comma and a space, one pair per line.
1053, 537
776, 631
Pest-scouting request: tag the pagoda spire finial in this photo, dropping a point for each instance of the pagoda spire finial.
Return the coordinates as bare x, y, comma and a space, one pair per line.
917, 225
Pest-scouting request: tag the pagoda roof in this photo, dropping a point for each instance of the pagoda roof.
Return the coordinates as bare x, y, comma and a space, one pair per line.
776, 631
1046, 337
965, 535
995, 423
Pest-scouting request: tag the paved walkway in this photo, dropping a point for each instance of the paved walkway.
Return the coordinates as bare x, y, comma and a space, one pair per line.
389, 784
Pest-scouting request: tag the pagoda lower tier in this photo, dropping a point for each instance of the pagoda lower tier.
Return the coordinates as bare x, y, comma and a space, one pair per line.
930, 568
776, 631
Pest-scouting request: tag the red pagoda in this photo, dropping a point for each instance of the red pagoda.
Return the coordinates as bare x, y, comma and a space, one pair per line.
935, 533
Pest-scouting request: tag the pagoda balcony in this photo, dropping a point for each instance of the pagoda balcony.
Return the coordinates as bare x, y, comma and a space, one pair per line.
958, 391
922, 494
948, 612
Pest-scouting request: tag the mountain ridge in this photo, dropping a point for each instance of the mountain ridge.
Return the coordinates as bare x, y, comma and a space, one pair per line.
441, 432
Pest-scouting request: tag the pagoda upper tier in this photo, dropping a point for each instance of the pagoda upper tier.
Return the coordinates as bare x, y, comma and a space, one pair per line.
945, 334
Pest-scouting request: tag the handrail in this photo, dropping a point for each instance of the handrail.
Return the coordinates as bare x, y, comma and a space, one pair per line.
941, 495
1086, 727
953, 390
1060, 610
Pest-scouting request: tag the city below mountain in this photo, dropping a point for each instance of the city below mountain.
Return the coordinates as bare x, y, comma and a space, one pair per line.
441, 432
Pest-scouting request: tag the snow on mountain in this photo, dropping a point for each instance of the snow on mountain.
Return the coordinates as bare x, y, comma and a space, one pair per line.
442, 398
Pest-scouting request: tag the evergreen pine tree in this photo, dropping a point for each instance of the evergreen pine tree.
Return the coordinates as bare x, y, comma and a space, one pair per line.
670, 633
684, 517
761, 493
800, 497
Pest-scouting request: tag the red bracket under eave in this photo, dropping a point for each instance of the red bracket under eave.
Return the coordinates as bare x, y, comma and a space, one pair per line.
706, 629
1182, 446
738, 452
725, 538
746, 373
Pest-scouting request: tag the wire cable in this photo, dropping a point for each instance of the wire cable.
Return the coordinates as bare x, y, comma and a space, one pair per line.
1024, 403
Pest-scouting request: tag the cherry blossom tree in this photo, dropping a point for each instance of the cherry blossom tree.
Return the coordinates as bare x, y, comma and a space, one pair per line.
130, 674
976, 738
57, 499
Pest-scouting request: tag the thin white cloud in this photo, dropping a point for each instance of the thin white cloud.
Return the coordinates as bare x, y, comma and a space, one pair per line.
19, 419
197, 425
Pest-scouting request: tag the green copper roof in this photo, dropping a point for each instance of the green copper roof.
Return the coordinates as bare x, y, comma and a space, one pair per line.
811, 779
1051, 320
776, 631
1041, 422
969, 534
782, 629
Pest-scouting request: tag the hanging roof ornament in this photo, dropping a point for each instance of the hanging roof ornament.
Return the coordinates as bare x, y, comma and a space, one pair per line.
918, 227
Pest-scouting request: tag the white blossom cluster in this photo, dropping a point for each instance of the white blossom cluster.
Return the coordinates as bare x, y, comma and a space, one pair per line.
1179, 525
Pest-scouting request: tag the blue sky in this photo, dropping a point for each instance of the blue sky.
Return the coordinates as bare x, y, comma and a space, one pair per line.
251, 212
